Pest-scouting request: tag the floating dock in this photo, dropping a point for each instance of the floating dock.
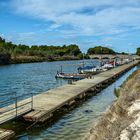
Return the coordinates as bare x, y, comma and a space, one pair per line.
45, 104
6, 134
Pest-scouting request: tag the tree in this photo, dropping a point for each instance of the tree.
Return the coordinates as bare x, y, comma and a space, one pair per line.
2, 40
138, 51
9, 50
100, 50
73, 49
5, 56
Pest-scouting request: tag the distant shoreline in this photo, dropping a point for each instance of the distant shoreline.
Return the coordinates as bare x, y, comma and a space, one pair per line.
23, 60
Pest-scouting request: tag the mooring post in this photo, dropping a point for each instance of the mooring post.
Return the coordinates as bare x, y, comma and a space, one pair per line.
70, 82
31, 101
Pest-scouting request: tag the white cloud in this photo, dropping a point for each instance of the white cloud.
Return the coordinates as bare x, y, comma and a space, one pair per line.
1, 35
84, 22
105, 16
21, 37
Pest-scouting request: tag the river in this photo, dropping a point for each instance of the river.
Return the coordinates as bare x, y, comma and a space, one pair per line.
39, 77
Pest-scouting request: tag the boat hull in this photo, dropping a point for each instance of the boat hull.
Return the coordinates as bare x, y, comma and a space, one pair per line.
72, 76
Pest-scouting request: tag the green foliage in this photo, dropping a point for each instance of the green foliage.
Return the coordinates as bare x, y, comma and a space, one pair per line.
117, 92
2, 40
100, 50
47, 52
44, 50
5, 58
124, 53
4, 55
138, 51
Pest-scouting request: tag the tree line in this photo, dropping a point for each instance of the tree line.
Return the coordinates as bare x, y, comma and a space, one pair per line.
138, 51
12, 53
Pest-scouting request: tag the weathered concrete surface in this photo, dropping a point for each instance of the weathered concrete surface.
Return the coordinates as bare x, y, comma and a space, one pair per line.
121, 121
6, 134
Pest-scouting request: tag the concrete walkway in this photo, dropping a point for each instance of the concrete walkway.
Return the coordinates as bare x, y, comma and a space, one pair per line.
44, 104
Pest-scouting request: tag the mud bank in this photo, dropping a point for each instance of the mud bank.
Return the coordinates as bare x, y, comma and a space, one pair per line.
121, 121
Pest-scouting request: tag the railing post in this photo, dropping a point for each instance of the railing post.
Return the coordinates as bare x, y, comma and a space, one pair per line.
32, 101
16, 104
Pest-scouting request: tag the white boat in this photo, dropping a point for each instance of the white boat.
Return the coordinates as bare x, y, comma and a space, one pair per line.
71, 76
86, 69
91, 69
107, 66
100, 69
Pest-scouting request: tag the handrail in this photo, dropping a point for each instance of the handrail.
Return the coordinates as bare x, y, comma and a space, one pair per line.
15, 106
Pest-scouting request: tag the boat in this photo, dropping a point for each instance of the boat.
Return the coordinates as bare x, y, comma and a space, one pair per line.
71, 76
100, 69
92, 69
86, 69
107, 66
76, 76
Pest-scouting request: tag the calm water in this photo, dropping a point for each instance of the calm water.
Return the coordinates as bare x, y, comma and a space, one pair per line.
39, 77
35, 77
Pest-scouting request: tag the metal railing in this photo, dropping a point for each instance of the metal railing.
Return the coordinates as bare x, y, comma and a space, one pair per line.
13, 105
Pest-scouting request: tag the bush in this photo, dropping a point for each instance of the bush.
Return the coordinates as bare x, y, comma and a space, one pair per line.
117, 92
5, 58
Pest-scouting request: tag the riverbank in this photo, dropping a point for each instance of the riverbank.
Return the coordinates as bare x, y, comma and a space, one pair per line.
12, 53
121, 121
33, 59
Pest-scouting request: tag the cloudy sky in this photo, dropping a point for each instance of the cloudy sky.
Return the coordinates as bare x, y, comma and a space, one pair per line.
112, 23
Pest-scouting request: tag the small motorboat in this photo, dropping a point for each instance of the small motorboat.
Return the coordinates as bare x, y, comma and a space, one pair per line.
71, 76
100, 69
91, 69
86, 69
107, 66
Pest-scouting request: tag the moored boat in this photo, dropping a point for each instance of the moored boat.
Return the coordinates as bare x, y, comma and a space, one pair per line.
90, 69
107, 66
71, 76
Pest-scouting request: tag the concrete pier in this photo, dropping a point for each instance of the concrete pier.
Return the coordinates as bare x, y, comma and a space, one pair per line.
45, 104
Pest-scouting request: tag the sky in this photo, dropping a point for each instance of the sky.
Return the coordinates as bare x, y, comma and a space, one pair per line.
87, 23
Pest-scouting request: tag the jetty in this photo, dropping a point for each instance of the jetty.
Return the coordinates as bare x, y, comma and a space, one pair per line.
47, 103
41, 107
